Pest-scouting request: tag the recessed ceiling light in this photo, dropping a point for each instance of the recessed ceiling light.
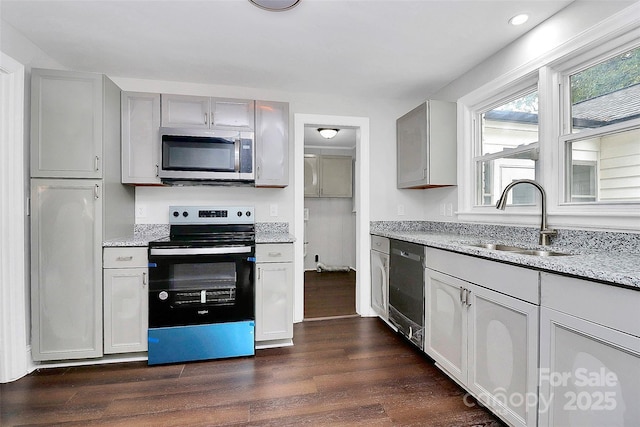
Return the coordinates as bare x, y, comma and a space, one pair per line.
275, 5
519, 19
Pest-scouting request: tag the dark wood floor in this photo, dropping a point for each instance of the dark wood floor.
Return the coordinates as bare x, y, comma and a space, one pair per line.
329, 294
342, 372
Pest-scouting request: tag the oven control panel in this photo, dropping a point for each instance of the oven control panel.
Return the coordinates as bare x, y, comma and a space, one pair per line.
211, 215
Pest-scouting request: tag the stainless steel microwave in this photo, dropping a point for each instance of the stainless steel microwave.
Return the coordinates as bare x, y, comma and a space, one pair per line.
206, 155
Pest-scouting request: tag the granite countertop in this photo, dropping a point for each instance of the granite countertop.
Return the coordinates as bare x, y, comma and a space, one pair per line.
274, 237
144, 233
611, 267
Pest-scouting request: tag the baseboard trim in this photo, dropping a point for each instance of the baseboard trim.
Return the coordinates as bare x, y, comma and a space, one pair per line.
316, 319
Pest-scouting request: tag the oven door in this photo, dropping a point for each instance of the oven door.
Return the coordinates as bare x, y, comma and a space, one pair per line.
200, 285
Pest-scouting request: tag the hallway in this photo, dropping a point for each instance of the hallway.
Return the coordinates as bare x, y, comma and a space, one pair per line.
329, 294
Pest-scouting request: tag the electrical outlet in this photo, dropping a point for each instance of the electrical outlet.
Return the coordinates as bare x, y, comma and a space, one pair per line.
400, 210
449, 209
442, 209
273, 209
141, 212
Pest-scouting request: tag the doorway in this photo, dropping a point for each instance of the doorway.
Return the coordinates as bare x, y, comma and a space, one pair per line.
360, 126
329, 222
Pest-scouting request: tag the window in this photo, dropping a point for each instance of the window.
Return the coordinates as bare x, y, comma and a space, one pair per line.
507, 148
602, 131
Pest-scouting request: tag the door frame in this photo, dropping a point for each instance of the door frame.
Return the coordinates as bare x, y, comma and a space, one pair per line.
363, 243
14, 351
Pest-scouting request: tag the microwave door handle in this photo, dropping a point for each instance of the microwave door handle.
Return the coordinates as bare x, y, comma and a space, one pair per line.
236, 145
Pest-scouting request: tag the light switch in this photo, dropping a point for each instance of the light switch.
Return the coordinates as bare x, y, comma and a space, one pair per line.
400, 209
273, 209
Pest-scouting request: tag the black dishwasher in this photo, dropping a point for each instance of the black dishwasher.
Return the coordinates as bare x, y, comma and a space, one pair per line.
406, 290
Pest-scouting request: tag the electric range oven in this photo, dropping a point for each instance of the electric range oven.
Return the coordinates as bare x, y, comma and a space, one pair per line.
201, 286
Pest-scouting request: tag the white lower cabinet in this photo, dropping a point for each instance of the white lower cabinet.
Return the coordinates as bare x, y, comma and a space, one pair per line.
66, 244
485, 340
589, 354
380, 276
126, 299
274, 294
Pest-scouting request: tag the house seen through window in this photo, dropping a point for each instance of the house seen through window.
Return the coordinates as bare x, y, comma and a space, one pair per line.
602, 140
508, 149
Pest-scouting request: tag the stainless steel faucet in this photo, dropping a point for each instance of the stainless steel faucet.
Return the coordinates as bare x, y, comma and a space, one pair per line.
545, 232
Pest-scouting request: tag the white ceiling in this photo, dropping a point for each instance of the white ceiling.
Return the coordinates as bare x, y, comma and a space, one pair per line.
386, 48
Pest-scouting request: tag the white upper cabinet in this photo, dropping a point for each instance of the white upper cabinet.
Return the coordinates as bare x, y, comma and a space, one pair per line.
328, 176
184, 111
140, 138
272, 144
426, 146
66, 124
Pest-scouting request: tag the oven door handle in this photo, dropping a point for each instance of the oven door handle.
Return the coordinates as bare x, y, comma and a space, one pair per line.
201, 251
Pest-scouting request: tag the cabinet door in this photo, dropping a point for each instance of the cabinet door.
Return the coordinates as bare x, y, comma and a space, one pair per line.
272, 144
380, 283
66, 269
503, 354
336, 176
232, 113
274, 301
140, 138
126, 311
66, 124
311, 176
185, 111
411, 140
446, 323
589, 374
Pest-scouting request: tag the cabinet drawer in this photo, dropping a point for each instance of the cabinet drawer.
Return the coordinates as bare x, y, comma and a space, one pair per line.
125, 257
515, 281
274, 252
380, 244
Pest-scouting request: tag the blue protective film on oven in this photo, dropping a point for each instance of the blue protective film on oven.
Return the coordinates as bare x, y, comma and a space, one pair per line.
201, 342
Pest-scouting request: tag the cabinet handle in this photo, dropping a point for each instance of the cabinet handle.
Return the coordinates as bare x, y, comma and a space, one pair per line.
258, 171
124, 258
144, 280
466, 302
461, 295
258, 274
205, 118
97, 163
275, 253
96, 192
157, 170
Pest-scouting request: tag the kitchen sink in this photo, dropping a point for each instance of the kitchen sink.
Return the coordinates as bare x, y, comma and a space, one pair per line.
518, 250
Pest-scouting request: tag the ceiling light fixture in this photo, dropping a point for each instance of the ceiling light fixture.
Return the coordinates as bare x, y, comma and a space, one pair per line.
275, 5
519, 19
328, 133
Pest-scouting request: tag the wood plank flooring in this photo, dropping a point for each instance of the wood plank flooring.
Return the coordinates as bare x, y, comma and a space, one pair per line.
329, 294
342, 372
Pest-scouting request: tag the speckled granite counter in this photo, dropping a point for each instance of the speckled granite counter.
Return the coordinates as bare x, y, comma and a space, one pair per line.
268, 232
142, 235
612, 258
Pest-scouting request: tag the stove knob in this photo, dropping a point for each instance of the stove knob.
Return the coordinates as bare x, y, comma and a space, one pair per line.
176, 214
248, 213
185, 214
239, 213
163, 295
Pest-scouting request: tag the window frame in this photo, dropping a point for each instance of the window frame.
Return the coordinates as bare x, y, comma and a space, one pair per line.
548, 70
526, 87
